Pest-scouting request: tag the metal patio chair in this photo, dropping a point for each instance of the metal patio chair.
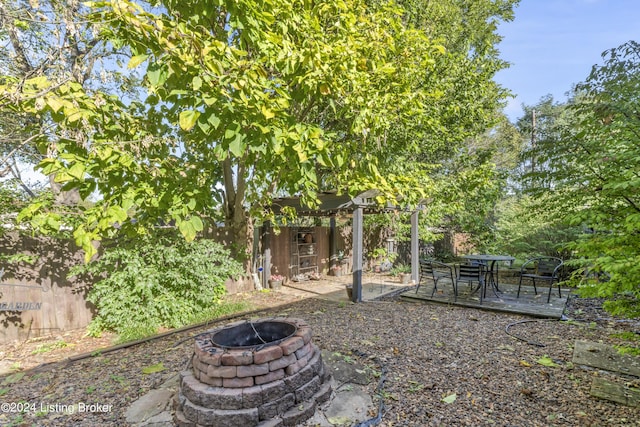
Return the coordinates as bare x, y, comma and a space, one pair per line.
472, 273
545, 269
435, 271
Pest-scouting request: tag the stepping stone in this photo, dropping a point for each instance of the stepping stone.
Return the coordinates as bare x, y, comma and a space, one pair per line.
148, 406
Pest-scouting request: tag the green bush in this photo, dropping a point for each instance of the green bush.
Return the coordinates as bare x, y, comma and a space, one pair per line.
158, 282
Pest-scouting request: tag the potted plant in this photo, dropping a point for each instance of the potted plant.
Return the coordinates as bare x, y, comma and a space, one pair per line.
275, 281
336, 270
381, 260
403, 272
376, 259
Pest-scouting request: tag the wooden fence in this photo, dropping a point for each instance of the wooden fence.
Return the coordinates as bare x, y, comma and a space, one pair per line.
37, 299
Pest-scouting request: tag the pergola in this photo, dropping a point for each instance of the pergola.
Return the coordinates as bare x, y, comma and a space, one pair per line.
332, 205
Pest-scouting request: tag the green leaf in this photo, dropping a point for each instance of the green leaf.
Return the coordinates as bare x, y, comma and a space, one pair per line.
48, 166
136, 60
187, 230
546, 361
53, 223
188, 119
77, 170
157, 74
237, 147
55, 103
268, 114
152, 369
229, 133
214, 120
450, 398
117, 214
196, 222
196, 82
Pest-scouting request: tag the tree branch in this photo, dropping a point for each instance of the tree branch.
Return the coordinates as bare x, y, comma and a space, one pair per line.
22, 60
22, 144
16, 174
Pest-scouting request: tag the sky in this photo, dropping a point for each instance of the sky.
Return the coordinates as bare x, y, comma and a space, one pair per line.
553, 44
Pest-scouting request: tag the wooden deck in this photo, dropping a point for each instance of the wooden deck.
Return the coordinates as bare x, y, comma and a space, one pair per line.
506, 301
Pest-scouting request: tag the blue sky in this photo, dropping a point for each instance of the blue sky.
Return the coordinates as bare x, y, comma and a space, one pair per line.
552, 44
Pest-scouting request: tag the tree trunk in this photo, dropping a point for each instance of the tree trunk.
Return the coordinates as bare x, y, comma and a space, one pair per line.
241, 230
68, 198
237, 218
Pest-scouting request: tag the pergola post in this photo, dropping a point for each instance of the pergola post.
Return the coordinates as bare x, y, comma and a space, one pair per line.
358, 216
415, 248
333, 248
266, 254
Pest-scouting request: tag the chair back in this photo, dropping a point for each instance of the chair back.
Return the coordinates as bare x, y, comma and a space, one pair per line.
426, 268
548, 266
435, 269
468, 272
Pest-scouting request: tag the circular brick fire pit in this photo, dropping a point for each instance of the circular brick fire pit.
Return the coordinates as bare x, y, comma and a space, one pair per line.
264, 373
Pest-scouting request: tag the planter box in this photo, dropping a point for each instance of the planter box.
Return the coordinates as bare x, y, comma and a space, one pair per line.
349, 289
275, 284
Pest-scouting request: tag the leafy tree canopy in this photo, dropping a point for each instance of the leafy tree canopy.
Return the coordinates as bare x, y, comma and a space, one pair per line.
247, 100
594, 176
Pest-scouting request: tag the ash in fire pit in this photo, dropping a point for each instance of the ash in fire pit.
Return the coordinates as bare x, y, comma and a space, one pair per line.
253, 334
262, 373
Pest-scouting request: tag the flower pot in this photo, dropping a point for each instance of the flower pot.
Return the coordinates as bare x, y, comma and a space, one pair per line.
275, 284
337, 272
405, 278
349, 289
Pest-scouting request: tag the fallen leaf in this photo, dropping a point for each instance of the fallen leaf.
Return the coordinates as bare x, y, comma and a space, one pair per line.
506, 347
450, 399
158, 367
546, 361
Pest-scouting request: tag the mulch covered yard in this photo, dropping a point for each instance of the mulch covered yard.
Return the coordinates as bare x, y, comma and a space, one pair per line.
445, 365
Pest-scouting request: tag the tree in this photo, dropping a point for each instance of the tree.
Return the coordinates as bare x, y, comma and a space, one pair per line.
247, 101
461, 140
595, 177
542, 128
254, 107
47, 39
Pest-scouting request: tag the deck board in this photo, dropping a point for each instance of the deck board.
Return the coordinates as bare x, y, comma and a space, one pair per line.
506, 301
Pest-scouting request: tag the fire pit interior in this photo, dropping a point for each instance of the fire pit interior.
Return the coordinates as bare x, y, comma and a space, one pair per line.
253, 373
252, 334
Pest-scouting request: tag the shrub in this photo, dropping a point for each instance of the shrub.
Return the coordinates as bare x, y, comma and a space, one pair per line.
157, 282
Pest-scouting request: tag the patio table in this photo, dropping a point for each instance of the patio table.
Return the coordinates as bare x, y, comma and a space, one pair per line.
493, 259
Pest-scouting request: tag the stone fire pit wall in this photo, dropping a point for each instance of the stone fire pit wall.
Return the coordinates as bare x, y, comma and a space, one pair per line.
269, 385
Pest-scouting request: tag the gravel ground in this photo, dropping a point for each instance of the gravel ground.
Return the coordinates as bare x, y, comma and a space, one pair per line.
445, 366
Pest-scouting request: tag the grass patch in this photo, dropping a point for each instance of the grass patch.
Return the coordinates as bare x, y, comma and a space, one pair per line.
46, 348
627, 336
218, 309
629, 350
631, 337
222, 309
